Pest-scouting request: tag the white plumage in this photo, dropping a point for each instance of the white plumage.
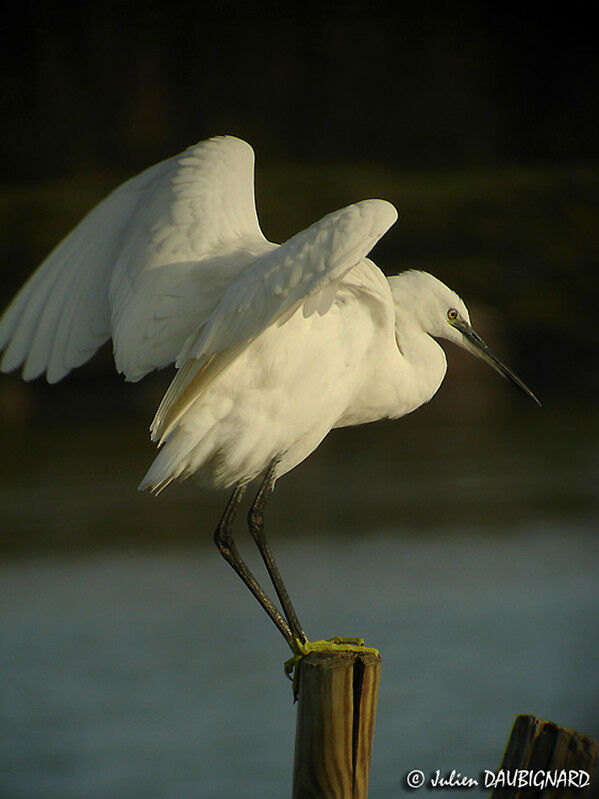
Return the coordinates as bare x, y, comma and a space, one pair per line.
274, 345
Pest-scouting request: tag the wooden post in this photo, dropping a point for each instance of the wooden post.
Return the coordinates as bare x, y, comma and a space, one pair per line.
537, 746
336, 711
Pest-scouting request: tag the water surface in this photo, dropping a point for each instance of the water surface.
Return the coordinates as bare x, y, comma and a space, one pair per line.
466, 551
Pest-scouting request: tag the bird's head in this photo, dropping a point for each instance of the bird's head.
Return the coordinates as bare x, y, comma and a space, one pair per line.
424, 301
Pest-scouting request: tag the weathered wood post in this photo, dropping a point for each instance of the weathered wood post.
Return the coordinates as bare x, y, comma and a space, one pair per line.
337, 696
542, 746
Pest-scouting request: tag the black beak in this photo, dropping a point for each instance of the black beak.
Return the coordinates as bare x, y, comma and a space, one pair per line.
480, 348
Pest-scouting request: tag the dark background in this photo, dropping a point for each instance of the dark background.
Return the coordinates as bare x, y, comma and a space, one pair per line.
425, 85
478, 122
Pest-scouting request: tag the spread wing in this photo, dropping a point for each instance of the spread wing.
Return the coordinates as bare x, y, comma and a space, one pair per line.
144, 266
303, 271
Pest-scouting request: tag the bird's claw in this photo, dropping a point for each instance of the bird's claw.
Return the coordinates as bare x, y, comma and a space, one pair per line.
336, 644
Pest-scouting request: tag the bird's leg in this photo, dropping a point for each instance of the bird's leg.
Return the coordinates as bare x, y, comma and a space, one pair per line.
223, 539
256, 525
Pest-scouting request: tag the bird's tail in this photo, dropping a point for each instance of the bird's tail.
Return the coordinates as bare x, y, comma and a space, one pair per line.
173, 462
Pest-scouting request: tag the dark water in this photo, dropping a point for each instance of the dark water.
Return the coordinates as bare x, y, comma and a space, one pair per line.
465, 549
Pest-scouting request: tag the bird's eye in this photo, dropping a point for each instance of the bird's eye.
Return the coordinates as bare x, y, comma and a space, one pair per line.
452, 314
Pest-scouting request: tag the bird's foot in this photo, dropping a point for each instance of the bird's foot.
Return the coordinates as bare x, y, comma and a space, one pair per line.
336, 644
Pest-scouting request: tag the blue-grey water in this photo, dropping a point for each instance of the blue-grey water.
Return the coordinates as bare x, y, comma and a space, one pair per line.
470, 560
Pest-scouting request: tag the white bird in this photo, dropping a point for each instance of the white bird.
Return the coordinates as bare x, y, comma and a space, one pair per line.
275, 345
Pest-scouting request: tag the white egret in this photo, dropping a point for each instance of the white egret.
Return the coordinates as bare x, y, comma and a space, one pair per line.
274, 345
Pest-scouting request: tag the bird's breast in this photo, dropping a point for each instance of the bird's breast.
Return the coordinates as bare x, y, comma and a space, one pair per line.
279, 398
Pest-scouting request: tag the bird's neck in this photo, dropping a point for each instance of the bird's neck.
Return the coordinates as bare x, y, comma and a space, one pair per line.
401, 380
418, 371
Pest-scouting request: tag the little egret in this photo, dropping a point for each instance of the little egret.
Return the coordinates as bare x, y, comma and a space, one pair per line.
274, 345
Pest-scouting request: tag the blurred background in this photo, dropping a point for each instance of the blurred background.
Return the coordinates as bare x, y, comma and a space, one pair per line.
460, 540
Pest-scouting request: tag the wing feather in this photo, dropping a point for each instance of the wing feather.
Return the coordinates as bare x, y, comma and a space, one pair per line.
192, 216
272, 287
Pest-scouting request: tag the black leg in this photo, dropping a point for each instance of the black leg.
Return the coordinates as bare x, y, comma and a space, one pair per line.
227, 548
256, 525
